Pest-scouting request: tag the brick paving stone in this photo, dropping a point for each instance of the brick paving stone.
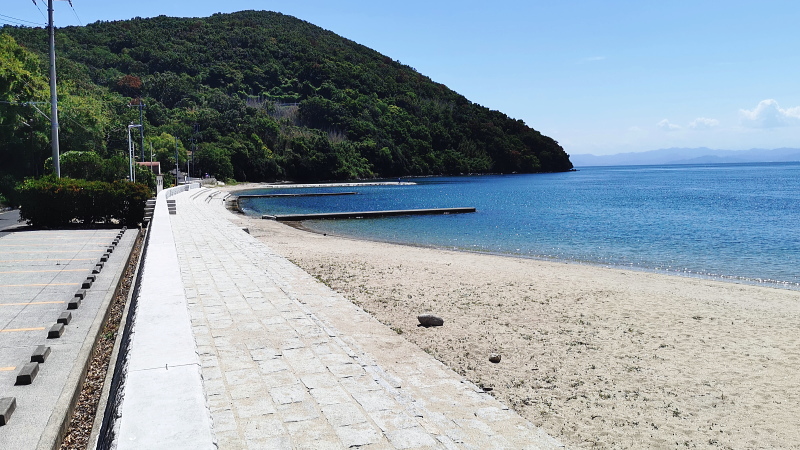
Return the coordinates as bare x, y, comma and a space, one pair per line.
272, 365
263, 354
230, 440
376, 401
349, 369
393, 420
319, 380
358, 384
343, 414
313, 434
290, 393
276, 443
330, 396
262, 427
299, 411
358, 434
415, 437
280, 378
308, 365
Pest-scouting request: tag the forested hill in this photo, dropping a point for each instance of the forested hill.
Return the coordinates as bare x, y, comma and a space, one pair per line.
268, 96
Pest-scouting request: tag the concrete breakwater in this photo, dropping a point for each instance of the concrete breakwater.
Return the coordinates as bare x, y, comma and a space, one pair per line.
311, 194
367, 214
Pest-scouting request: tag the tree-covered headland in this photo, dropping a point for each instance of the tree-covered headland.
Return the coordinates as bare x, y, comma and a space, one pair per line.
259, 96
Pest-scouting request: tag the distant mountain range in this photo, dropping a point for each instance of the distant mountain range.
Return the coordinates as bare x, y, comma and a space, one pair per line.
700, 155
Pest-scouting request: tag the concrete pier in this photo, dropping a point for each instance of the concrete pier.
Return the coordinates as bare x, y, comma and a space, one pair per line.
367, 214
311, 194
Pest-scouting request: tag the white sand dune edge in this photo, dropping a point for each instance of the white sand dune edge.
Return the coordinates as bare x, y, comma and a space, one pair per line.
594, 356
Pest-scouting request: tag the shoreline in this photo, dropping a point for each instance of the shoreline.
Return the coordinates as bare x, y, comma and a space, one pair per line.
769, 284
597, 357
735, 279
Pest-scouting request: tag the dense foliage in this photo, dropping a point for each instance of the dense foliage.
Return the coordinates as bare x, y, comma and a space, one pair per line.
264, 96
90, 166
56, 202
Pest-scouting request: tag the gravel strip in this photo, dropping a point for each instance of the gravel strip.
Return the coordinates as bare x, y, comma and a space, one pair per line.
80, 426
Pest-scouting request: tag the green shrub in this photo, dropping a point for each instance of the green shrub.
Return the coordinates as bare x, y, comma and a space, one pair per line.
56, 202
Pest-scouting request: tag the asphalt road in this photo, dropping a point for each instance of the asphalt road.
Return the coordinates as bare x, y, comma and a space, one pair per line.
8, 219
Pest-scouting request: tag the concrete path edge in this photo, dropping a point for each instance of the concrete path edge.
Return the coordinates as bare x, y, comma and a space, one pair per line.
164, 405
103, 402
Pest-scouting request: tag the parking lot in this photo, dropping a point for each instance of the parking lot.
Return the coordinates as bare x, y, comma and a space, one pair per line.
43, 275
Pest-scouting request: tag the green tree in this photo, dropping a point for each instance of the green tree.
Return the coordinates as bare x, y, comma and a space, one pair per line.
215, 161
83, 165
24, 127
163, 149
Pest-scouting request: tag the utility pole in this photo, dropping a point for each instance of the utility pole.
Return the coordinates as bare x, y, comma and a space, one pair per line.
131, 152
193, 140
177, 168
53, 93
141, 107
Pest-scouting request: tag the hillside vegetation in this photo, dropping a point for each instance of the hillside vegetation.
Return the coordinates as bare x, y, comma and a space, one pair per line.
264, 96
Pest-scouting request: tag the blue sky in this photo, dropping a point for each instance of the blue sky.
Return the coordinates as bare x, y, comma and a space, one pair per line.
601, 77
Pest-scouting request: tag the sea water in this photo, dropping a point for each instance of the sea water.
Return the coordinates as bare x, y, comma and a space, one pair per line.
738, 222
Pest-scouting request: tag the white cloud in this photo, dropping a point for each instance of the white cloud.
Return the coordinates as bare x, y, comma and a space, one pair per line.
703, 123
591, 59
666, 126
768, 114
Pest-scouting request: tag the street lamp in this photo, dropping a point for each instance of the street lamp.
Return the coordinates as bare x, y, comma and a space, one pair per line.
132, 176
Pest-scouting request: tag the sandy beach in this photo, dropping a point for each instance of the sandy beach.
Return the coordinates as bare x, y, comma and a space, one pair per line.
597, 357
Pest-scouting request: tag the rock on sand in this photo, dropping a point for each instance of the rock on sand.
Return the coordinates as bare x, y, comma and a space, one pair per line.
429, 320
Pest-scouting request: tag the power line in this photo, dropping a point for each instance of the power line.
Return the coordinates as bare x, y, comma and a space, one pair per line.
75, 12
18, 21
40, 10
12, 22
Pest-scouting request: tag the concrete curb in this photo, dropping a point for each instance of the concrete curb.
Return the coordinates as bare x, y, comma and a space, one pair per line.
57, 426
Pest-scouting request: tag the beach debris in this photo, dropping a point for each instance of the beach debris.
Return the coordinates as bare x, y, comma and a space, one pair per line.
494, 357
429, 320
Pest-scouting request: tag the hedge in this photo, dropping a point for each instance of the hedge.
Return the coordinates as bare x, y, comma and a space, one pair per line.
57, 202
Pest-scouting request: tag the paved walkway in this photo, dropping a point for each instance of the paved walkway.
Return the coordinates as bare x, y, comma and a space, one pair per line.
284, 362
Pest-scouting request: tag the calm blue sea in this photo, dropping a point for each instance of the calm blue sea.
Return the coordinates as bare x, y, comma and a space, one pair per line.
738, 222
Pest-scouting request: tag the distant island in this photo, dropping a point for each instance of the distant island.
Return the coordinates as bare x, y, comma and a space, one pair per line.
259, 96
700, 155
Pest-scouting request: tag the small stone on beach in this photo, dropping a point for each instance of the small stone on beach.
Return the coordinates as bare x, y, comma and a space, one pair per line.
494, 357
429, 320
